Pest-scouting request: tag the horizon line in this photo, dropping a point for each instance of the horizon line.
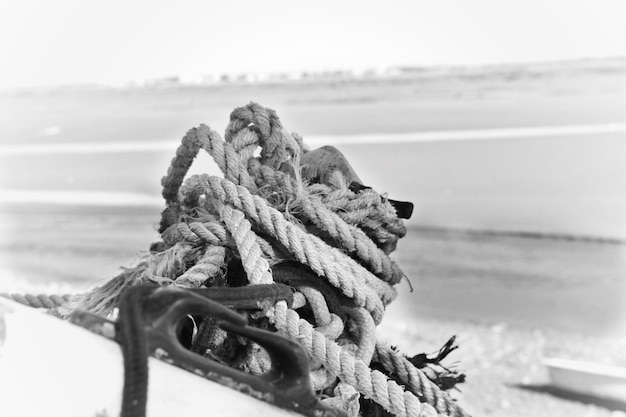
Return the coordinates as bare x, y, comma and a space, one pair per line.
380, 70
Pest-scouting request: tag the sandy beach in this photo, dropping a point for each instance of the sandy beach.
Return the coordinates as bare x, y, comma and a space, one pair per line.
516, 246
505, 375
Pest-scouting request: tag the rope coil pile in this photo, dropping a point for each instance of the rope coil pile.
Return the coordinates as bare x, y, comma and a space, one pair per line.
270, 212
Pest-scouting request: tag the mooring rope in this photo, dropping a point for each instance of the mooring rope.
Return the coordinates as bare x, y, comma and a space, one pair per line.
40, 300
348, 367
269, 219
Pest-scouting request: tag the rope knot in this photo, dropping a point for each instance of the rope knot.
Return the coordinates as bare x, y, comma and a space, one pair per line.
255, 126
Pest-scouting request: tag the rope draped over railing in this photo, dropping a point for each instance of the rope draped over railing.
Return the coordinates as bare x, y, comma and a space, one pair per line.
264, 212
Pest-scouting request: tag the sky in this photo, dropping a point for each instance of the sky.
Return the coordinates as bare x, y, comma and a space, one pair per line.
58, 42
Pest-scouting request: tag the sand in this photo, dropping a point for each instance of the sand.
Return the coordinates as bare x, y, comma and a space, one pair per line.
505, 376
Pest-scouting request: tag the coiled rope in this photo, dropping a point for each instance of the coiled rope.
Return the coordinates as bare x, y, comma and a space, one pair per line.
331, 240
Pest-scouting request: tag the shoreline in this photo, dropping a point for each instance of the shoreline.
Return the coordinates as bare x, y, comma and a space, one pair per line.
526, 234
143, 204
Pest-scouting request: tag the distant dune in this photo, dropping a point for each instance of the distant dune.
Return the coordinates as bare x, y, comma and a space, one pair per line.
509, 72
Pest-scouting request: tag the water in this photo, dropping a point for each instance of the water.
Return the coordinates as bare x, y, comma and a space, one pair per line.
535, 283
529, 282
552, 185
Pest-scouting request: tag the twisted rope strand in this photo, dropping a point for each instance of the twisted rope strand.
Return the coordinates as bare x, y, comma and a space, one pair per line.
277, 145
372, 384
40, 300
256, 267
341, 271
210, 265
416, 380
348, 236
366, 331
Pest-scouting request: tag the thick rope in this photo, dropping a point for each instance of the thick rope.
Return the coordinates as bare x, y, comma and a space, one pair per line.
346, 397
257, 268
365, 328
416, 380
222, 152
209, 266
263, 214
343, 272
372, 384
40, 300
350, 238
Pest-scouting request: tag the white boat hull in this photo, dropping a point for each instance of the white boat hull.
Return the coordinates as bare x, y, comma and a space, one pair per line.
49, 368
586, 378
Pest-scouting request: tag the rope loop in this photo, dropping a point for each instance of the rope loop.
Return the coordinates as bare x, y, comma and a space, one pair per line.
277, 145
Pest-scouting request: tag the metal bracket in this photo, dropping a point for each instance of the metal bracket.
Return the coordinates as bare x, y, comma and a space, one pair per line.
161, 310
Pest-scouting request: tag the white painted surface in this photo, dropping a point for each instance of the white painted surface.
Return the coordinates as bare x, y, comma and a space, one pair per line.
602, 381
52, 368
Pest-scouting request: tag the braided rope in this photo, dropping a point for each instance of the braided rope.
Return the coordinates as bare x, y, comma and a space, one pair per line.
262, 213
210, 233
328, 323
372, 384
348, 237
257, 268
342, 272
366, 212
323, 316
366, 330
346, 397
416, 380
277, 145
209, 266
40, 300
222, 152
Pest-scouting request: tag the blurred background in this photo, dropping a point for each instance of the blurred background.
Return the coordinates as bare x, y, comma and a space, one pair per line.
503, 122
